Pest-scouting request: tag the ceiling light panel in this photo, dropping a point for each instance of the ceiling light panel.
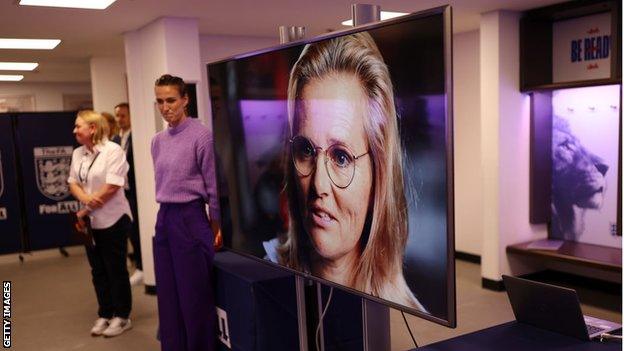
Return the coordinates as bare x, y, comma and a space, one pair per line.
77, 4
18, 66
34, 44
10, 78
384, 15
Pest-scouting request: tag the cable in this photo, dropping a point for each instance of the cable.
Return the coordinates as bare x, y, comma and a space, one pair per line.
320, 322
409, 330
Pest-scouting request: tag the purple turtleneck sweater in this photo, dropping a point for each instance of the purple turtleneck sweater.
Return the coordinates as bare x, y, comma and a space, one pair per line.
184, 165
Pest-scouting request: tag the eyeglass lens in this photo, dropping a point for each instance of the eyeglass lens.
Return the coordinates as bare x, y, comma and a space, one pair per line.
341, 168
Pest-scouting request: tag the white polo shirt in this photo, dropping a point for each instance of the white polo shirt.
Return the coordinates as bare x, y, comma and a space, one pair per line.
105, 165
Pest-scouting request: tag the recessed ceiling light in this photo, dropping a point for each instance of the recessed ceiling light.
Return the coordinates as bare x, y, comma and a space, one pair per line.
78, 4
384, 16
18, 66
34, 44
10, 78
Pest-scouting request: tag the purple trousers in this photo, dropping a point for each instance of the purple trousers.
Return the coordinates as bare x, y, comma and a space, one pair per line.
183, 255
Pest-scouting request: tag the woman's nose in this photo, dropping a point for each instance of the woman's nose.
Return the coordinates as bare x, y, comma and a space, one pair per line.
320, 178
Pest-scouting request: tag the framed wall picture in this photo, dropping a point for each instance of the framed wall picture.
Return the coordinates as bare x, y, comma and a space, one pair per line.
17, 103
76, 102
585, 165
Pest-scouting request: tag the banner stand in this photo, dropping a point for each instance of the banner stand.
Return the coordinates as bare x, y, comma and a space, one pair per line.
20, 191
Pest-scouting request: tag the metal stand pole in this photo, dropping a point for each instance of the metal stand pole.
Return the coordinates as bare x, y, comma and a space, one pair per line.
291, 33
376, 325
301, 313
364, 14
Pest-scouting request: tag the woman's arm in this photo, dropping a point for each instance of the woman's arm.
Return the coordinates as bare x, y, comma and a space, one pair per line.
95, 200
74, 186
115, 173
205, 156
103, 194
206, 163
80, 195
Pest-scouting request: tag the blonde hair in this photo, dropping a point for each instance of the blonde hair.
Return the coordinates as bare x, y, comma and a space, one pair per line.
95, 119
380, 269
113, 126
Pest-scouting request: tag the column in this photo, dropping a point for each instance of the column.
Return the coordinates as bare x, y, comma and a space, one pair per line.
505, 118
108, 83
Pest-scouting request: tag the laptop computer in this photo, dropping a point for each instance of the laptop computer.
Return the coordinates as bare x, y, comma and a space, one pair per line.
553, 308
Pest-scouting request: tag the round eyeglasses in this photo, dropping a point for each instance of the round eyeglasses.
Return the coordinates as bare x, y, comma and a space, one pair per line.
340, 170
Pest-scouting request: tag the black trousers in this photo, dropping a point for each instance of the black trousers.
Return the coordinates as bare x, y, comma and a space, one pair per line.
108, 269
133, 230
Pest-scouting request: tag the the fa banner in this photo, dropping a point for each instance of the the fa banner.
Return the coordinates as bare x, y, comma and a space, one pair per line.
10, 216
45, 144
52, 170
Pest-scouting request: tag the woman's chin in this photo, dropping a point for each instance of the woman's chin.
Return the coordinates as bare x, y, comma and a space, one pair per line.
325, 245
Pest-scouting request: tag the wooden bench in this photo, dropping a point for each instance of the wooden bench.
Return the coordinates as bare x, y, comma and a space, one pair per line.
587, 255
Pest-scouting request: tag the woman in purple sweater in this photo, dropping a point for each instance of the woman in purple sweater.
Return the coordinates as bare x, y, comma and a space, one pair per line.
184, 242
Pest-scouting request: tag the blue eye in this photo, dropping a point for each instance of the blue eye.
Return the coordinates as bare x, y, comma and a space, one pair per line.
340, 157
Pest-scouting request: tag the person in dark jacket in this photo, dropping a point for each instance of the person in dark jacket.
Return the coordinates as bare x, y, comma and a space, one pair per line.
124, 139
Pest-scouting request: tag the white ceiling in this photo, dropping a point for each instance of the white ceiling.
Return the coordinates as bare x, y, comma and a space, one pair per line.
87, 33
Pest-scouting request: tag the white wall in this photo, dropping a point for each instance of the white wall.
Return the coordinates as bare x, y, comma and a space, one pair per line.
48, 96
217, 47
514, 143
505, 121
467, 129
108, 82
146, 59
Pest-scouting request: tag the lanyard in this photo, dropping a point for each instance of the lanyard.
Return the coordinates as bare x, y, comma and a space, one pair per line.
83, 181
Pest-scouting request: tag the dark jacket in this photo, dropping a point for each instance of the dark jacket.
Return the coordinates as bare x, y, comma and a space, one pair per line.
130, 159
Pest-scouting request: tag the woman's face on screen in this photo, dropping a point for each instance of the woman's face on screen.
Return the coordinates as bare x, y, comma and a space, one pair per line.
331, 114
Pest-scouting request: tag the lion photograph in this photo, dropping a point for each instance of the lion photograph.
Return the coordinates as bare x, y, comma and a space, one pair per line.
578, 182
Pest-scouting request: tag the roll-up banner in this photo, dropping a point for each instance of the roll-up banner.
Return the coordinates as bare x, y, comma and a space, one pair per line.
45, 143
10, 214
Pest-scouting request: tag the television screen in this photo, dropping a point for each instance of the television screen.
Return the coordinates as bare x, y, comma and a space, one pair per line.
334, 159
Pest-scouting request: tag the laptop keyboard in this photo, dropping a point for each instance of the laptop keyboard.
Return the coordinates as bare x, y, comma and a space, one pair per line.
592, 329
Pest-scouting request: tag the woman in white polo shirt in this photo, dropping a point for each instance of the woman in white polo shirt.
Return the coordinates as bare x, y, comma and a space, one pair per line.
97, 173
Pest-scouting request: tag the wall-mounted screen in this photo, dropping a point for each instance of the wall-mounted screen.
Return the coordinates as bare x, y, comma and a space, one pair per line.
334, 160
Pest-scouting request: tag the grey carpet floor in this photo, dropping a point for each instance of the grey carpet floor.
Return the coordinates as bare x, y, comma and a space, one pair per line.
54, 307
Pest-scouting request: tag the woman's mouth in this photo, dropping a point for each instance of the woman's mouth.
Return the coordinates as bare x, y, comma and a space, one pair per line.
321, 218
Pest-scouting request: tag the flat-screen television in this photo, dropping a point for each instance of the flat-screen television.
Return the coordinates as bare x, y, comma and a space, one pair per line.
335, 160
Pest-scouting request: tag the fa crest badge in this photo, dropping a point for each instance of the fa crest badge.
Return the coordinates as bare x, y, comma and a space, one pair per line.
52, 170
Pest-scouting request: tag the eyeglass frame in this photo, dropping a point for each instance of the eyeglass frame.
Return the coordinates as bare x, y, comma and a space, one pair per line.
355, 158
